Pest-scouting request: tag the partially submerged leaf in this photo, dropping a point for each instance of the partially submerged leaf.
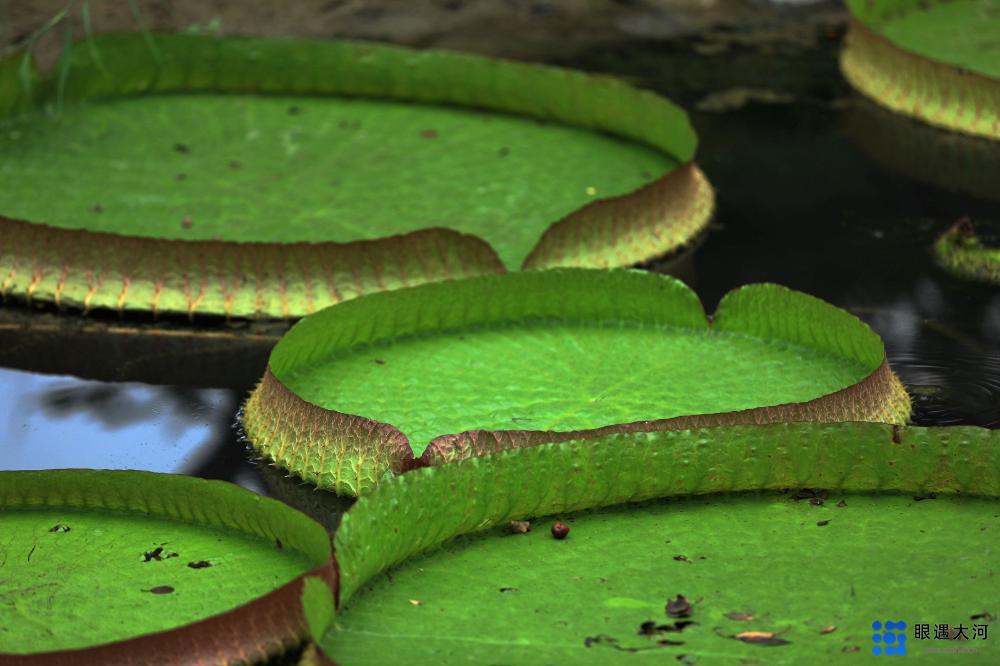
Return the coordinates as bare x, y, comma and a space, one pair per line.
960, 251
936, 60
138, 566
465, 368
364, 167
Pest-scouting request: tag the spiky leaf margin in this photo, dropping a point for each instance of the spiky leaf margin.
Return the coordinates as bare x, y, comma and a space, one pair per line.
418, 511
908, 82
350, 454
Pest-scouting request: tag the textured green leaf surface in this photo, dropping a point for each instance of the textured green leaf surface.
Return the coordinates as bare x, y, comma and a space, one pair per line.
512, 599
566, 376
963, 33
93, 557
288, 169
317, 605
560, 351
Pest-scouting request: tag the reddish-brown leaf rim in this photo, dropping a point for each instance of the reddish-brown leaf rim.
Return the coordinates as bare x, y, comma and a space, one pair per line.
301, 436
77, 268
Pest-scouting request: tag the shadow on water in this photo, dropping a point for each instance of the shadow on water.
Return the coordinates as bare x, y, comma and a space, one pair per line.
806, 198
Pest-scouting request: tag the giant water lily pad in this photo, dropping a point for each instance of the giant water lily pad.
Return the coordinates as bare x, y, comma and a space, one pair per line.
251, 177
847, 518
933, 59
450, 370
133, 567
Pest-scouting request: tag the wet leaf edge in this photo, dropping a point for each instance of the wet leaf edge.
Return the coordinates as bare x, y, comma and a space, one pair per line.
84, 270
910, 83
349, 454
960, 252
277, 617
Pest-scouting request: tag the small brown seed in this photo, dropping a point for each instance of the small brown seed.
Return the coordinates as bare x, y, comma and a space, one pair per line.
560, 530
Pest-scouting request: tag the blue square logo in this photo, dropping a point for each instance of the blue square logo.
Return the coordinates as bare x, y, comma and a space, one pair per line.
889, 638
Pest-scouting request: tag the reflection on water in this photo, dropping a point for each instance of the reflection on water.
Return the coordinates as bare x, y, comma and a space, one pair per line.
52, 422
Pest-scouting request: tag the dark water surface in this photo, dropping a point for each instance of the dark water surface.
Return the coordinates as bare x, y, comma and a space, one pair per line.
817, 189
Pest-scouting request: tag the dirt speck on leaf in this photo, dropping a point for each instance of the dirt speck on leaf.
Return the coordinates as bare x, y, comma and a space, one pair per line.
519, 526
650, 628
162, 589
822, 523
182, 148
828, 629
155, 554
740, 617
429, 133
760, 638
678, 606
200, 564
59, 528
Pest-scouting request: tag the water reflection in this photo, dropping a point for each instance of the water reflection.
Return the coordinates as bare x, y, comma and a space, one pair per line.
131, 348
949, 160
52, 422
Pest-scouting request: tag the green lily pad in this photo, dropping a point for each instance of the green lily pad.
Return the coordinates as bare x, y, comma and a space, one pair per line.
104, 566
960, 251
770, 577
933, 59
269, 178
462, 368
